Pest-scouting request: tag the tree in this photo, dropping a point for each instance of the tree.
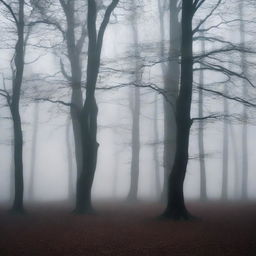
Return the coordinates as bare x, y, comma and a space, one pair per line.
171, 74
88, 114
245, 115
225, 151
13, 102
74, 32
135, 110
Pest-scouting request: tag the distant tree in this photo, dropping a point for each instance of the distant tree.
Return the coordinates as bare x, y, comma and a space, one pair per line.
225, 150
135, 109
245, 114
203, 192
33, 149
73, 30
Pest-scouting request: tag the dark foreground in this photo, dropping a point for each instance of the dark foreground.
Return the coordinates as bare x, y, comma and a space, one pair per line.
225, 229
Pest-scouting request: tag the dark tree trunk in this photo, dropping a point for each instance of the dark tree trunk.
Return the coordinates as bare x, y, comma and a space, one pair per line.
18, 140
176, 208
171, 73
88, 117
203, 193
90, 149
18, 171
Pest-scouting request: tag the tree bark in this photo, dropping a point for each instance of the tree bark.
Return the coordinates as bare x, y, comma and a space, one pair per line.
176, 208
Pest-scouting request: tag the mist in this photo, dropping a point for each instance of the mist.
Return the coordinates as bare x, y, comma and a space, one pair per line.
127, 110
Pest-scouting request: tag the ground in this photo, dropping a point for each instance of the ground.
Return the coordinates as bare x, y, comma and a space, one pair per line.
118, 229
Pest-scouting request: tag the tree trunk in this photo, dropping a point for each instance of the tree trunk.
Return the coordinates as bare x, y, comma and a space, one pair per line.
245, 115
135, 161
133, 193
171, 74
90, 149
176, 208
203, 193
18, 140
74, 49
18, 171
89, 113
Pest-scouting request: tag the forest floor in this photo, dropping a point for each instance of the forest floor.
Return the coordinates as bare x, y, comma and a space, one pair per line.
118, 229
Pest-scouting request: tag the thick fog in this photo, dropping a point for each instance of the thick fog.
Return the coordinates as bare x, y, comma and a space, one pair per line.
113, 172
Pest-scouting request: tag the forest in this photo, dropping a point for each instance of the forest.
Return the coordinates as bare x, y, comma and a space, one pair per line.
127, 127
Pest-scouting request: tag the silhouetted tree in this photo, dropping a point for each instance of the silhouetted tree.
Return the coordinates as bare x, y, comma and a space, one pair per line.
14, 100
171, 75
88, 114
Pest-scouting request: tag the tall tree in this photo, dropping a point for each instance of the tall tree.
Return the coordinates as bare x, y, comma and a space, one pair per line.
74, 50
74, 32
176, 208
88, 114
245, 115
135, 110
171, 74
14, 101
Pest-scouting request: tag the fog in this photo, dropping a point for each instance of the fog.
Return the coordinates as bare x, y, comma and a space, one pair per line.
113, 171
